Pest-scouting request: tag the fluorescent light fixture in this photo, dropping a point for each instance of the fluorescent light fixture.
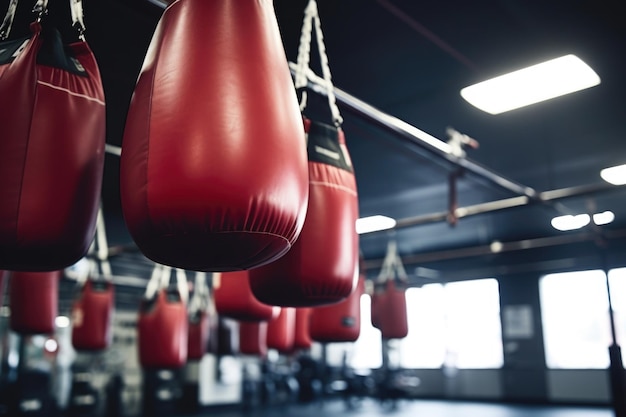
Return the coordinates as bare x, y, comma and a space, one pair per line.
615, 175
605, 217
530, 85
374, 224
569, 222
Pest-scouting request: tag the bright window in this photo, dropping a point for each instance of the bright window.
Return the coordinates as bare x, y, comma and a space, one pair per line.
574, 313
425, 345
617, 281
367, 350
474, 331
457, 324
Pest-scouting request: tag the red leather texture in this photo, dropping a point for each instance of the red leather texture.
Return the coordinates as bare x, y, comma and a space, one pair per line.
303, 337
162, 332
198, 337
213, 168
389, 312
321, 268
281, 331
253, 338
92, 315
340, 322
234, 299
51, 158
33, 300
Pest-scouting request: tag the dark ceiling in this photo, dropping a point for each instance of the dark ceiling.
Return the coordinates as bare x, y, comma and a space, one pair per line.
410, 59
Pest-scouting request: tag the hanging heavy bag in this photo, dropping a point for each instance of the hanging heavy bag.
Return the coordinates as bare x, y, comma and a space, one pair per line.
321, 268
281, 331
340, 322
92, 315
92, 310
52, 114
199, 319
234, 298
302, 339
213, 170
389, 312
162, 324
253, 338
33, 301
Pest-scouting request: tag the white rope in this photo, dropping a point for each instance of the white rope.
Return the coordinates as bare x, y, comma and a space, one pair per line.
41, 8
5, 28
392, 265
154, 283
311, 14
199, 299
76, 7
183, 285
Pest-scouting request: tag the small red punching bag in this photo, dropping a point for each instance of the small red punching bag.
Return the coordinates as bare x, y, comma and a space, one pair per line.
389, 313
234, 298
213, 171
52, 113
302, 338
162, 324
33, 300
92, 315
340, 322
253, 338
281, 331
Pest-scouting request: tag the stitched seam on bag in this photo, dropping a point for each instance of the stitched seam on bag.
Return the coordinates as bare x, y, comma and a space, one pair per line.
86, 97
336, 186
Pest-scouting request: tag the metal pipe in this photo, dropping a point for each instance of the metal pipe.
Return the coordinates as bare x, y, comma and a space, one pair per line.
507, 203
415, 136
468, 252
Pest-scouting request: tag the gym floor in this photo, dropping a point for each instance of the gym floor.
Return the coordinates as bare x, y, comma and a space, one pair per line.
419, 408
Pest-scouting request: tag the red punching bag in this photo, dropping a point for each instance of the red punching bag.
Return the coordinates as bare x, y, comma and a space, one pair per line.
302, 338
321, 268
33, 300
52, 114
340, 322
198, 336
389, 312
213, 168
281, 331
253, 338
162, 327
92, 315
234, 298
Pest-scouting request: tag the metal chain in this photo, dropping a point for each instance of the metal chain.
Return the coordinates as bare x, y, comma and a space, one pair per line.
5, 28
304, 50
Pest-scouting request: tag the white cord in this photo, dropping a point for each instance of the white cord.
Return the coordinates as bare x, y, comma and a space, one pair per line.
311, 14
5, 28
